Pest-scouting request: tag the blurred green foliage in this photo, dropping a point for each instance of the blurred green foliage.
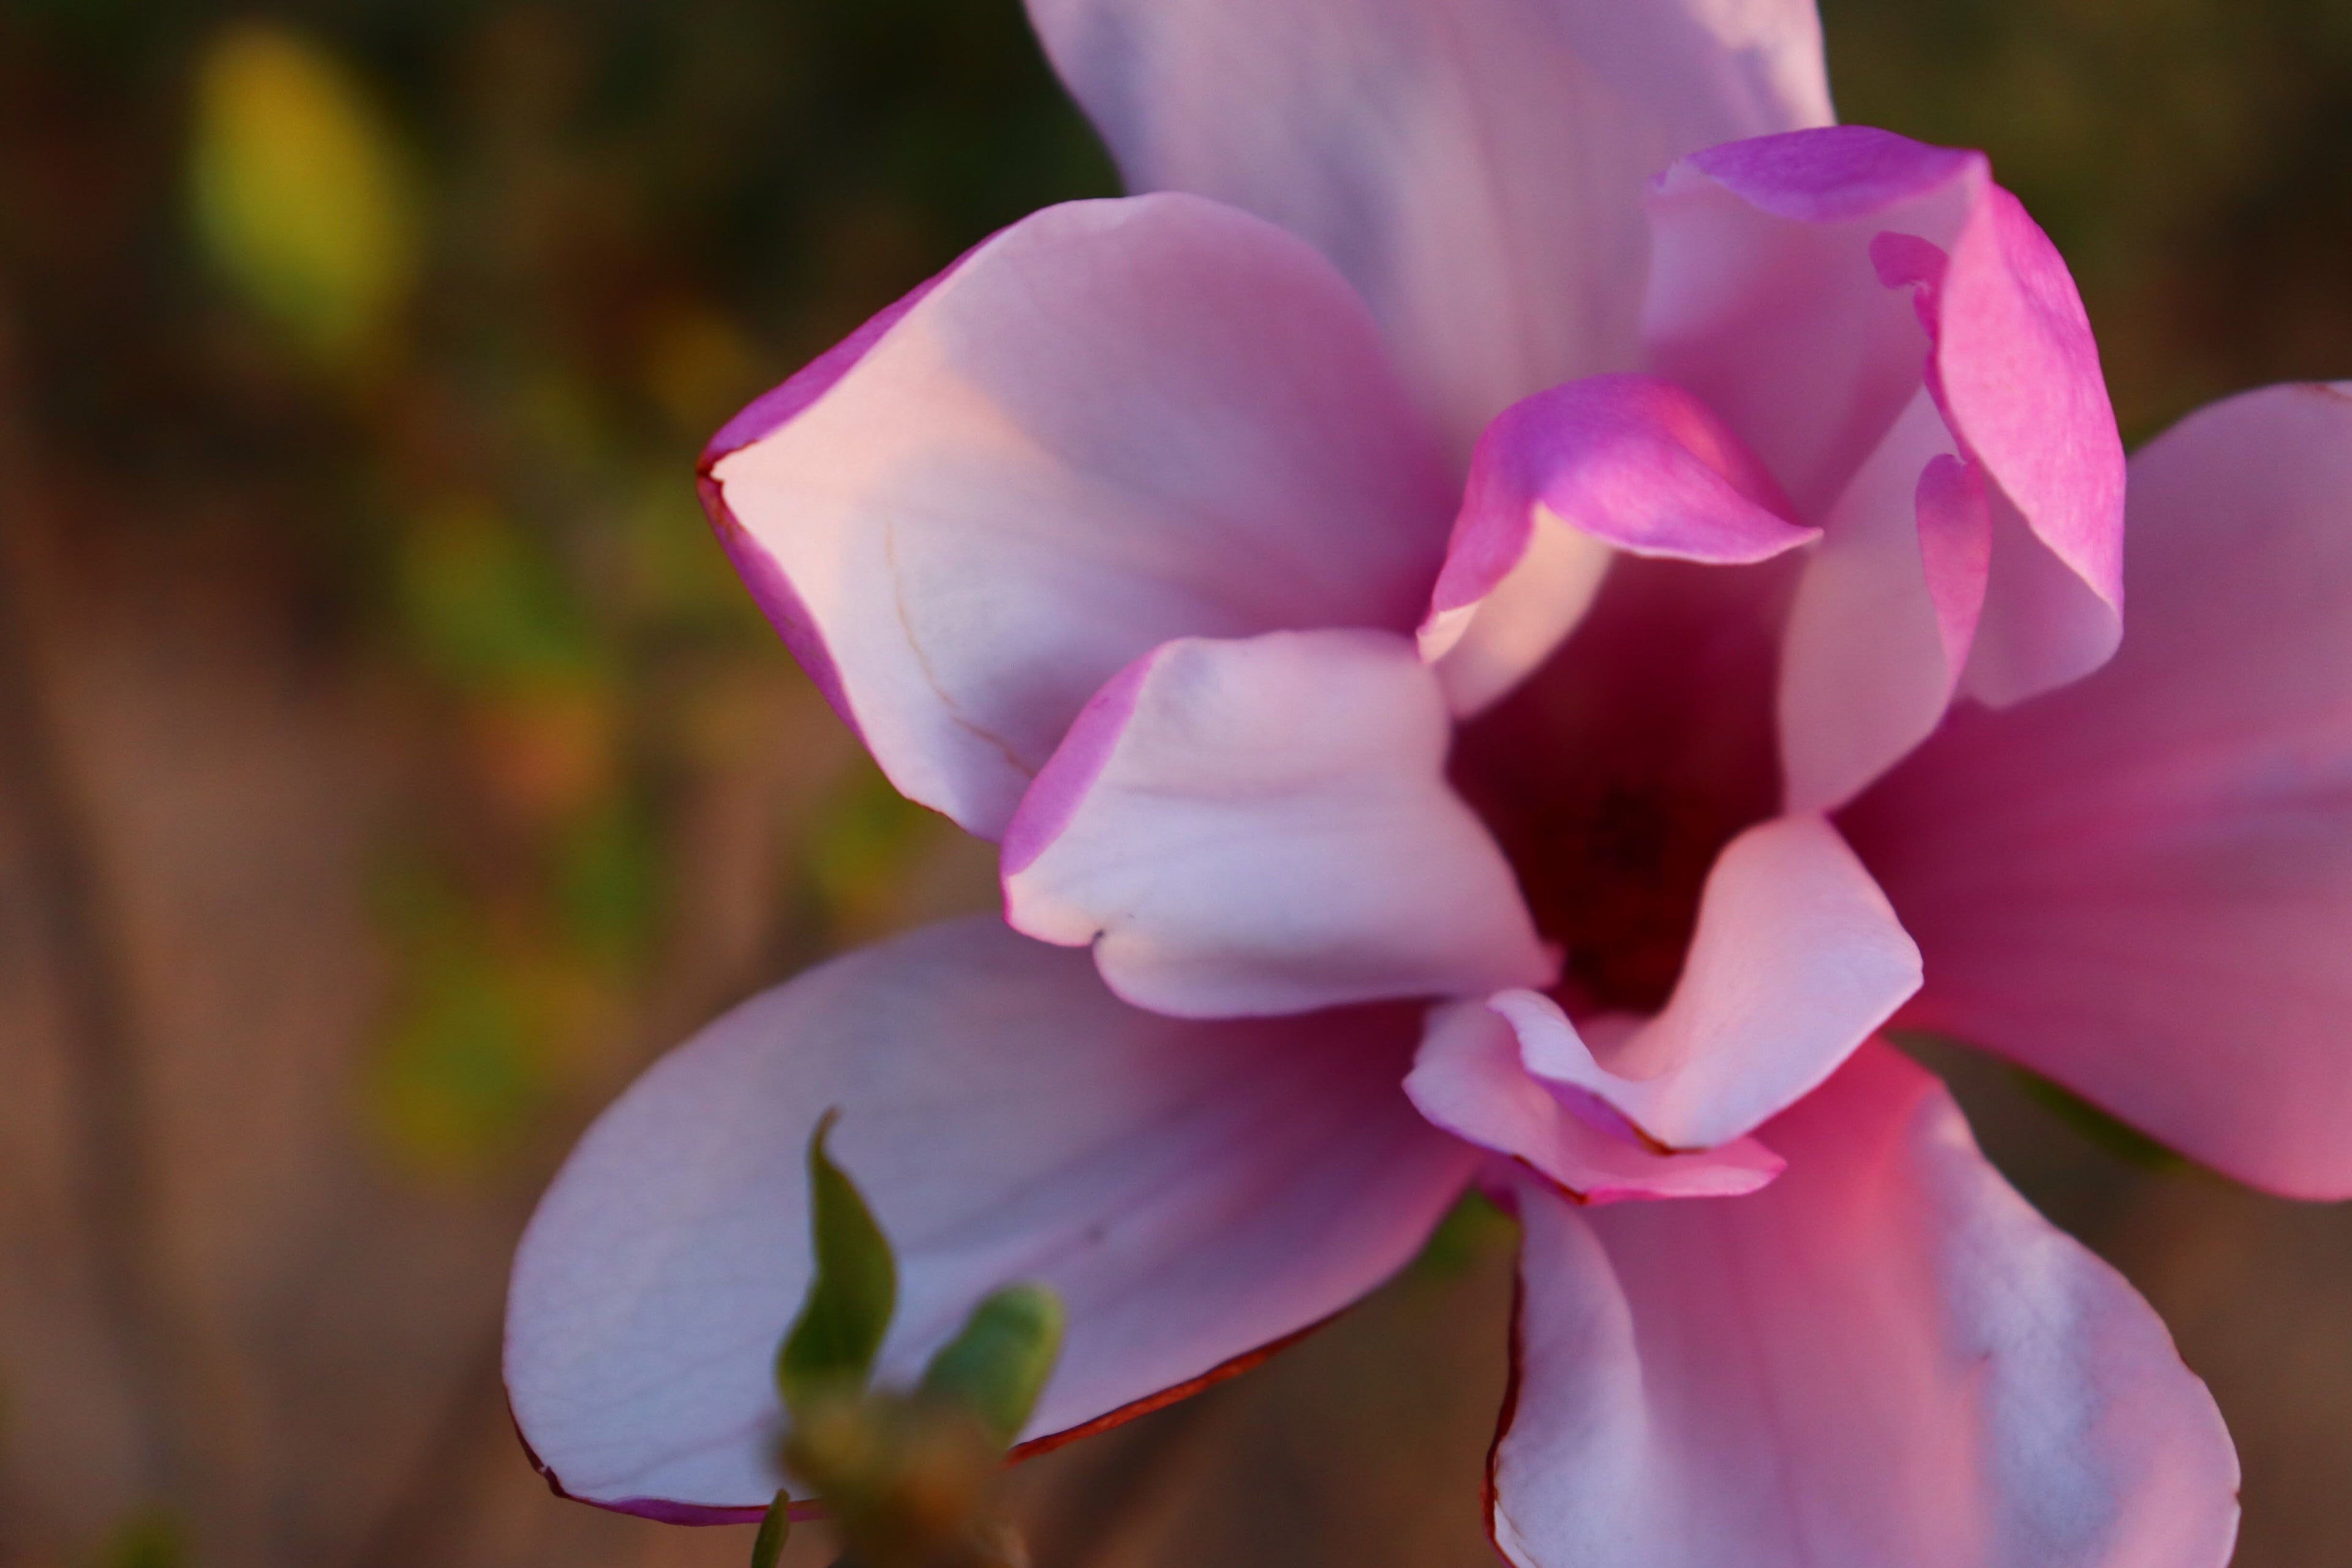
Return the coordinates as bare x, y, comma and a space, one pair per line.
485, 605
1473, 1229
149, 1539
451, 291
473, 281
480, 1027
862, 839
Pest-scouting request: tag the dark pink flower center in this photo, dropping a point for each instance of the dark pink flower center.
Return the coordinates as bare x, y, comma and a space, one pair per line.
1615, 774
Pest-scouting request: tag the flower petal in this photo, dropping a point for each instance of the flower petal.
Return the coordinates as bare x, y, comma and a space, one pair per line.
1473, 166
1887, 1357
2021, 383
1879, 632
1796, 959
1558, 481
1265, 827
1764, 299
1192, 1191
1467, 1078
1811, 287
1112, 424
2141, 886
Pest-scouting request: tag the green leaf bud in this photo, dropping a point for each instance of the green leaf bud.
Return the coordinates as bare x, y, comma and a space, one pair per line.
831, 1345
997, 1366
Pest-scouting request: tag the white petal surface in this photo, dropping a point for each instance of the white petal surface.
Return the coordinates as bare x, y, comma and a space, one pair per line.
1193, 1191
1265, 827
1112, 424
1886, 1358
1476, 167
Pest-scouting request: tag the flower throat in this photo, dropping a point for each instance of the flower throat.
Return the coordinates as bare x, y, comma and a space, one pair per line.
1616, 773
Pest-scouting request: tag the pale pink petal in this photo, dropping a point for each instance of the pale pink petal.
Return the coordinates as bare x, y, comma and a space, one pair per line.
1112, 424
1475, 166
1193, 1191
1886, 1360
1469, 1078
2142, 885
1265, 827
771, 589
1796, 959
1880, 628
1626, 462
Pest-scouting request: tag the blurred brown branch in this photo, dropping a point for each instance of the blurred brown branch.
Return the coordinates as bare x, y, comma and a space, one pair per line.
114, 1141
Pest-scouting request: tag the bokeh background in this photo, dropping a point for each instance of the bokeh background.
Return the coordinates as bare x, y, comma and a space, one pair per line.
390, 765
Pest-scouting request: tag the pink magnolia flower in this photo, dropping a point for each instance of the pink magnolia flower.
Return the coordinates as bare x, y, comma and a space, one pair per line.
1453, 629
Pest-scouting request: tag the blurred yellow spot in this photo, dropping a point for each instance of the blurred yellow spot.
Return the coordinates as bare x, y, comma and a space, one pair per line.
300, 193
697, 367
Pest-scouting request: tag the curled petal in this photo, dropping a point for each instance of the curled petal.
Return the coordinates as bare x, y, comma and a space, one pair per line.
2022, 385
1469, 1078
1887, 1357
1473, 166
1765, 300
1811, 287
2141, 886
1796, 959
1265, 827
1559, 481
1193, 1192
1112, 424
1880, 629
